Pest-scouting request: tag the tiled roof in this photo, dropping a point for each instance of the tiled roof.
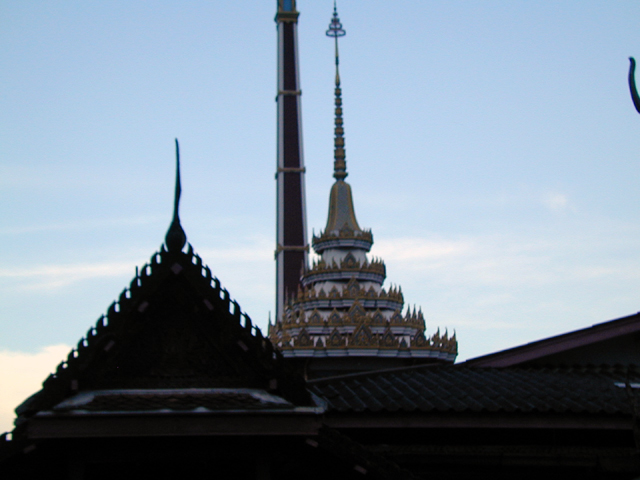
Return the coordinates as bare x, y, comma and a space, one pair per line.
172, 400
459, 389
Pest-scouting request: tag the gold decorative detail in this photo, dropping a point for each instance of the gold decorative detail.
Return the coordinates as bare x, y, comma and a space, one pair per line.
378, 318
419, 341
351, 291
290, 170
303, 340
335, 319
435, 338
389, 340
363, 338
280, 337
290, 248
348, 264
352, 288
290, 92
396, 318
349, 261
287, 17
339, 167
334, 293
336, 340
347, 230
356, 312
286, 339
363, 235
283, 16
453, 344
315, 318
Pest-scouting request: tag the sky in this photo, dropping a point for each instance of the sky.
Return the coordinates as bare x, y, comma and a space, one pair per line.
492, 148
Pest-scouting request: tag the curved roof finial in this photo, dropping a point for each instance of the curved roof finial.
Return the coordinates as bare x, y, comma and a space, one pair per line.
632, 84
339, 163
176, 238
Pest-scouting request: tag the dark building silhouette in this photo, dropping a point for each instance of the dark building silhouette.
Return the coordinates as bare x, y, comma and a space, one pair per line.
176, 381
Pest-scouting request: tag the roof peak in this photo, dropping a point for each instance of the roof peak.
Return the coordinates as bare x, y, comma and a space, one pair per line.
175, 238
168, 330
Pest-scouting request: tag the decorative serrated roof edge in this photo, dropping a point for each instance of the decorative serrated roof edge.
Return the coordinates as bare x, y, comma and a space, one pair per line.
345, 234
102, 337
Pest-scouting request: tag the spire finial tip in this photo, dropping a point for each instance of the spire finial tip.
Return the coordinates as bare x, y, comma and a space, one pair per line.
339, 164
175, 238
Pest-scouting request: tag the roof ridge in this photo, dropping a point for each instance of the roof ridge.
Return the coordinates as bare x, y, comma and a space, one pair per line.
382, 370
463, 366
548, 346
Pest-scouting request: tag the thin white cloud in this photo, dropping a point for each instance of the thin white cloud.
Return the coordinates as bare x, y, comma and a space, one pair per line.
519, 285
506, 261
555, 202
417, 249
92, 224
249, 253
22, 374
57, 276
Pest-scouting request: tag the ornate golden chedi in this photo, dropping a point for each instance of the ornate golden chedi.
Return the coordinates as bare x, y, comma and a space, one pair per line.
342, 308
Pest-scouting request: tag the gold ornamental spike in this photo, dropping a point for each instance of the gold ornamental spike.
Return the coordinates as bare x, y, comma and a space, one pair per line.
339, 164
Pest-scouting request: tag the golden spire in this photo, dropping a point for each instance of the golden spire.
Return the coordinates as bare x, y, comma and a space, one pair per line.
339, 164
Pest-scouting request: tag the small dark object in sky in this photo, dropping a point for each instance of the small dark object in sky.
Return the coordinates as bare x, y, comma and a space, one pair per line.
632, 84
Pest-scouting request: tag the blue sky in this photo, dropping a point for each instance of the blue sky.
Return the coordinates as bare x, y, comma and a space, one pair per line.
492, 148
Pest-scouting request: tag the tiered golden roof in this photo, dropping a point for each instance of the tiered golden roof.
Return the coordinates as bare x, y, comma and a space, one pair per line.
313, 332
350, 292
364, 337
345, 236
349, 267
342, 308
354, 316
